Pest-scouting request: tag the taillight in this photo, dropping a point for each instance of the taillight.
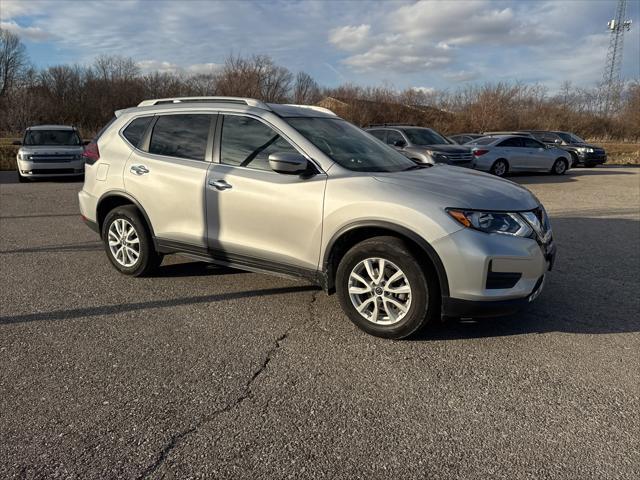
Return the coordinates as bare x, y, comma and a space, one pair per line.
477, 153
91, 154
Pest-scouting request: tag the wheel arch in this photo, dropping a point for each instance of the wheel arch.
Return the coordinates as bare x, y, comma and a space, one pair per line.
113, 199
356, 232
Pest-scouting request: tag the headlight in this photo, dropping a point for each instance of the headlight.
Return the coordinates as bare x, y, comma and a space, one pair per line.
585, 150
492, 222
437, 156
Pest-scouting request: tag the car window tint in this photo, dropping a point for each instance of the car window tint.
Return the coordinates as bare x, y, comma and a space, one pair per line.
183, 136
531, 143
247, 142
135, 130
379, 134
393, 137
511, 142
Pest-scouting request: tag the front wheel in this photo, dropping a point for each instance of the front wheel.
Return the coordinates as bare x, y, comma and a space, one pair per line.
128, 243
559, 167
22, 179
383, 289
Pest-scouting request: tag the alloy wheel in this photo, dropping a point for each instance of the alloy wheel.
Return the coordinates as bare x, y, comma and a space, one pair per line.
499, 169
124, 242
380, 291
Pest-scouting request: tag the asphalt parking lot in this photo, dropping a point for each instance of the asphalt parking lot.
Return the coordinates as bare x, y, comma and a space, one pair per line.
209, 372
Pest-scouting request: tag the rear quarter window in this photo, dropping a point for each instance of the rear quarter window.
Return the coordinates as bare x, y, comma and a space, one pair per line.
136, 129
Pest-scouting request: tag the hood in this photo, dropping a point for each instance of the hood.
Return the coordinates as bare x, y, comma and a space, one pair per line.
444, 148
51, 149
464, 188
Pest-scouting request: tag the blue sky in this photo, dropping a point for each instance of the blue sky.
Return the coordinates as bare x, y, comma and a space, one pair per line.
422, 44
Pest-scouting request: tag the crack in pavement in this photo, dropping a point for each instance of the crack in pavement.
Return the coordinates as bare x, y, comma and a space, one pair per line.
247, 393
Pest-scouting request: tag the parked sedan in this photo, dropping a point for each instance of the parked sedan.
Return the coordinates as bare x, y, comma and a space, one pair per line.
581, 152
513, 153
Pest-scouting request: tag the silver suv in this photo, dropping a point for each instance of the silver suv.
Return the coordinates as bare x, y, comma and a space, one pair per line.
48, 151
297, 191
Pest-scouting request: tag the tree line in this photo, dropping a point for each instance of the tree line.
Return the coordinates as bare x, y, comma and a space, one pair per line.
87, 95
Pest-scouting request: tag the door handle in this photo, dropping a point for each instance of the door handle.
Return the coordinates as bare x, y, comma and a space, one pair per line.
139, 169
219, 184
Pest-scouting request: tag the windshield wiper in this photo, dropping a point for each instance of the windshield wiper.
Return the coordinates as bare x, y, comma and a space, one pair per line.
417, 166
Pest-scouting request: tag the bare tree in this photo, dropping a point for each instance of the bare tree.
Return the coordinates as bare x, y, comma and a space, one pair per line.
305, 89
13, 60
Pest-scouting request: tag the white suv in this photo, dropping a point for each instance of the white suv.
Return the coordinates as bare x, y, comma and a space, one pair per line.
297, 191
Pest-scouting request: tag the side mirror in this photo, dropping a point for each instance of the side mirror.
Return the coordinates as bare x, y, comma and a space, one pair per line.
399, 143
288, 163
557, 141
86, 142
16, 142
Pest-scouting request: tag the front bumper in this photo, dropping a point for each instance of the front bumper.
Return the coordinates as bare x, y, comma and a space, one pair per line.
492, 274
31, 169
594, 158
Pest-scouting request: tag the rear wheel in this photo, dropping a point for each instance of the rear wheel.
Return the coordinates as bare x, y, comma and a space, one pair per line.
128, 243
559, 167
383, 289
499, 168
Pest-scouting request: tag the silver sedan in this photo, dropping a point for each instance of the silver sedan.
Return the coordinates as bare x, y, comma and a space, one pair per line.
516, 153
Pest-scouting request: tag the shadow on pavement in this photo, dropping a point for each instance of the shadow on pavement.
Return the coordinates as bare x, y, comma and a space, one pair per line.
194, 269
132, 307
571, 176
12, 177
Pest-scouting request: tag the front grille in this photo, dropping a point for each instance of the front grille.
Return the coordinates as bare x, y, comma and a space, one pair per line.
51, 158
459, 157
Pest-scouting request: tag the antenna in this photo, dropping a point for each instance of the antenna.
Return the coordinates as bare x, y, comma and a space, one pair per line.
611, 88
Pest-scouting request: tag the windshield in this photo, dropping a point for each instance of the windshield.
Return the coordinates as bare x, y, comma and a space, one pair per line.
51, 137
424, 136
349, 146
570, 137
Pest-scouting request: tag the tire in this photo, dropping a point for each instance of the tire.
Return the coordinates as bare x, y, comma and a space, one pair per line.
499, 168
116, 226
22, 179
559, 166
421, 302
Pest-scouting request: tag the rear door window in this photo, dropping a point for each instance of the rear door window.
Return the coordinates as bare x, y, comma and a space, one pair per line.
511, 142
135, 130
182, 136
394, 137
379, 134
531, 143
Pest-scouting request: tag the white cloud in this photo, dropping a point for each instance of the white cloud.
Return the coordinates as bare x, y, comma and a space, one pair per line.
30, 33
460, 76
350, 37
425, 90
148, 66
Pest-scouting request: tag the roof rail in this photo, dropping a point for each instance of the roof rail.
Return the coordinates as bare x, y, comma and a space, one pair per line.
252, 102
311, 107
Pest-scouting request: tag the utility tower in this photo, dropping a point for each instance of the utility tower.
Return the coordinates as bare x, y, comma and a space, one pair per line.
611, 85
